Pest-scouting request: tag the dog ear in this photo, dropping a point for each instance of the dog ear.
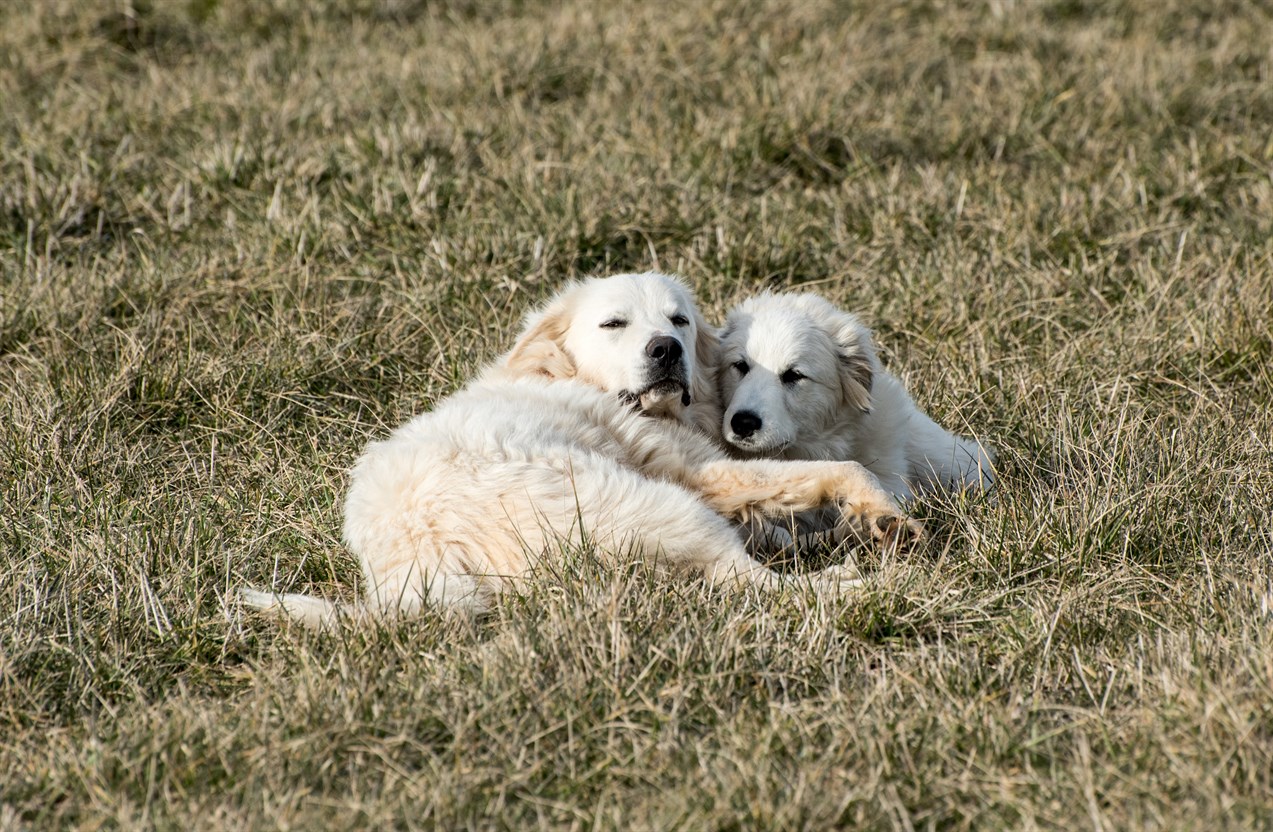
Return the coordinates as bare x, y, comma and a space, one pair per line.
858, 361
540, 349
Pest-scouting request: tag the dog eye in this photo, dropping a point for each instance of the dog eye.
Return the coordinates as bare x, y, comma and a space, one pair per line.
792, 376
742, 367
679, 320
614, 323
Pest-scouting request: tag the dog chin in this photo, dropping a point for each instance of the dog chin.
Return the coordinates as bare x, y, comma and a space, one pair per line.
661, 398
756, 448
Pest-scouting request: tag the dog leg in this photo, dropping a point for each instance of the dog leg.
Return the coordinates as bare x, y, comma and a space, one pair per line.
737, 488
940, 461
625, 511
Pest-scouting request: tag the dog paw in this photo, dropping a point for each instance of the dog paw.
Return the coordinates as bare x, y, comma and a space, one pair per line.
838, 579
765, 539
899, 531
881, 525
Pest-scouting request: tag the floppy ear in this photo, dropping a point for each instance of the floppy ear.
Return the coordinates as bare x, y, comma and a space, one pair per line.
540, 349
704, 410
858, 361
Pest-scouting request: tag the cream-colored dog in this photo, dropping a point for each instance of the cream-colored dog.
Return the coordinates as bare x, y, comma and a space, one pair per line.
800, 379
555, 441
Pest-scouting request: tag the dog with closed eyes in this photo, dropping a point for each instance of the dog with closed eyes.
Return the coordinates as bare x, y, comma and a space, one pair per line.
591, 425
800, 379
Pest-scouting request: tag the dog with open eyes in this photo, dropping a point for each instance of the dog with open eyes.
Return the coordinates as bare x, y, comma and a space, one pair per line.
591, 426
800, 379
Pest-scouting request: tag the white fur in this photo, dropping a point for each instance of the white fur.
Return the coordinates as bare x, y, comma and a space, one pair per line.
845, 405
555, 441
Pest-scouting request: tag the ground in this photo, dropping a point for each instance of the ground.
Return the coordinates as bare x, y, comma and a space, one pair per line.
239, 239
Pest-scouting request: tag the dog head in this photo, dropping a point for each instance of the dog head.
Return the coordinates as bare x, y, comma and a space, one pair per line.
639, 336
792, 366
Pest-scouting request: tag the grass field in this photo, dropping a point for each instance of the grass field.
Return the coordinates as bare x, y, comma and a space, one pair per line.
238, 239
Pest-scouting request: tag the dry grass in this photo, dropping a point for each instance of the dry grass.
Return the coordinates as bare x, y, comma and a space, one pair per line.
238, 239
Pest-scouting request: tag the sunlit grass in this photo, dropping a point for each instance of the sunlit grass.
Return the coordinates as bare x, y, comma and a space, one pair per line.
239, 239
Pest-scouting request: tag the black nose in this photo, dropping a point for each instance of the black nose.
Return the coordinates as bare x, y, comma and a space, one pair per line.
745, 423
665, 350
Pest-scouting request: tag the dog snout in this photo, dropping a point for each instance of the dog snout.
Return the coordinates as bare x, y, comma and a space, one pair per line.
664, 350
745, 423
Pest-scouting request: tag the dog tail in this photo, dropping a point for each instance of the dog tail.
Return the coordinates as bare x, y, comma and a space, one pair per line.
317, 613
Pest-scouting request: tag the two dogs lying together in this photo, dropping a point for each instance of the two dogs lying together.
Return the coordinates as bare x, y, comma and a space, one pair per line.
621, 415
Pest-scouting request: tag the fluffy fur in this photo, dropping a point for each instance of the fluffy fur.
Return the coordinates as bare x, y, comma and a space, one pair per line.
556, 441
800, 379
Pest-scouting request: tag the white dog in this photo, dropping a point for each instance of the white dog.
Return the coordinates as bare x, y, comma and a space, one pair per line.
800, 379
555, 441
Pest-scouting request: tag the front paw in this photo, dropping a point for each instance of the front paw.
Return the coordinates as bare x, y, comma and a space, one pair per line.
765, 539
838, 580
880, 523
